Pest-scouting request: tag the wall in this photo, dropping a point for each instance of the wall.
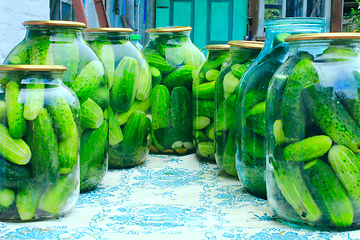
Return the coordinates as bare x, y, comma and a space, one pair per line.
13, 13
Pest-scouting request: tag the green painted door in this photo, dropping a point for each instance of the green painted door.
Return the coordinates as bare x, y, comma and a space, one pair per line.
213, 21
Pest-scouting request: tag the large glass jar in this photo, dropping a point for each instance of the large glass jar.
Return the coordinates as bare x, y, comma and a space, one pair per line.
250, 99
204, 100
62, 43
243, 54
173, 60
313, 126
129, 80
39, 143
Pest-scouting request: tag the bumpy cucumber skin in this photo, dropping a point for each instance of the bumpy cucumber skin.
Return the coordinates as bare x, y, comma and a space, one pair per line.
289, 179
345, 164
293, 113
88, 80
13, 175
91, 114
331, 116
123, 91
205, 91
68, 154
181, 110
44, 161
181, 76
27, 200
14, 110
307, 149
156, 60
160, 107
142, 106
38, 52
34, 99
329, 194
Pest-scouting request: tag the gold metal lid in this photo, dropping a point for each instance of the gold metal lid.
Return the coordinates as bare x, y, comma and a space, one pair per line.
38, 68
247, 44
112, 30
169, 29
54, 23
322, 36
218, 47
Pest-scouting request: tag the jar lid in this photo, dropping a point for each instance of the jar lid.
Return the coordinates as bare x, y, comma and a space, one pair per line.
322, 36
247, 44
55, 23
38, 68
169, 29
218, 47
112, 30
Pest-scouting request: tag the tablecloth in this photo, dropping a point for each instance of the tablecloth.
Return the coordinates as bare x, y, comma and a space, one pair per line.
167, 197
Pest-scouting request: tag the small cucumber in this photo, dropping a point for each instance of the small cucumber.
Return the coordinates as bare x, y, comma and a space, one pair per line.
225, 114
205, 91
144, 84
254, 145
212, 75
200, 122
329, 194
13, 175
238, 70
307, 149
279, 132
206, 149
229, 162
115, 132
210, 131
141, 106
155, 76
27, 200
205, 108
255, 118
230, 83
7, 197
14, 110
156, 60
160, 107
38, 51
34, 100
91, 114
101, 97
181, 76
331, 116
68, 154
88, 80
181, 110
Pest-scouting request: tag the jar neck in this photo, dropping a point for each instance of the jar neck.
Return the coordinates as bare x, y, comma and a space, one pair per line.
106, 36
215, 53
33, 32
289, 26
240, 54
48, 78
179, 36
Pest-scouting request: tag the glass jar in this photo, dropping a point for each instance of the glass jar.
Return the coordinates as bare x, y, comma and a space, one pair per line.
313, 127
39, 146
204, 100
129, 80
135, 39
243, 54
173, 61
62, 43
250, 99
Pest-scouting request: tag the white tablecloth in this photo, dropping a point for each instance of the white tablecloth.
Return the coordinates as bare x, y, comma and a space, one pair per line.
168, 197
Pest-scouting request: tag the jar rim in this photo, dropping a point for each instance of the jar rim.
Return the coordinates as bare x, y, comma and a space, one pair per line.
322, 36
169, 29
295, 20
38, 68
218, 47
54, 23
109, 29
247, 44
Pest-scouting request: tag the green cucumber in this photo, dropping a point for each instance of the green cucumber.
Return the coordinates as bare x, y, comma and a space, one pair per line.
181, 110
91, 114
101, 97
205, 108
293, 114
212, 75
44, 148
13, 175
206, 149
115, 132
238, 70
200, 122
225, 114
7, 197
230, 83
329, 194
210, 131
14, 110
27, 200
280, 37
289, 179
123, 91
19, 54
155, 76
141, 106
88, 80
15, 150
279, 134
156, 60
160, 107
229, 162
254, 145
307, 149
255, 118
58, 194
2, 110
331, 116
68, 154
34, 100
205, 91
181, 76
38, 52
144, 84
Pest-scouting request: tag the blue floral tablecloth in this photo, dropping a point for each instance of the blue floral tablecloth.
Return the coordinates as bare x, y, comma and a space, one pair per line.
168, 197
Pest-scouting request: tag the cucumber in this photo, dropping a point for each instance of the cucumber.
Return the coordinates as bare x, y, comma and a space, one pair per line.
68, 154
44, 161
155, 76
62, 116
205, 108
254, 145
19, 54
15, 150
212, 75
307, 149
156, 60
141, 106
123, 91
229, 162
27, 200
205, 91
210, 131
91, 114
329, 194
14, 110
181, 110
225, 114
238, 69
160, 107
34, 100
278, 131
13, 175
66, 52
289, 179
57, 195
181, 76
206, 149
230, 83
293, 114
101, 97
331, 116
38, 51
2, 110
255, 118
115, 132
200, 122
345, 164
174, 54
144, 84
88, 80
191, 57
7, 197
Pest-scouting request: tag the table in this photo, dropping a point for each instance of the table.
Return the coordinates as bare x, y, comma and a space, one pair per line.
168, 197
